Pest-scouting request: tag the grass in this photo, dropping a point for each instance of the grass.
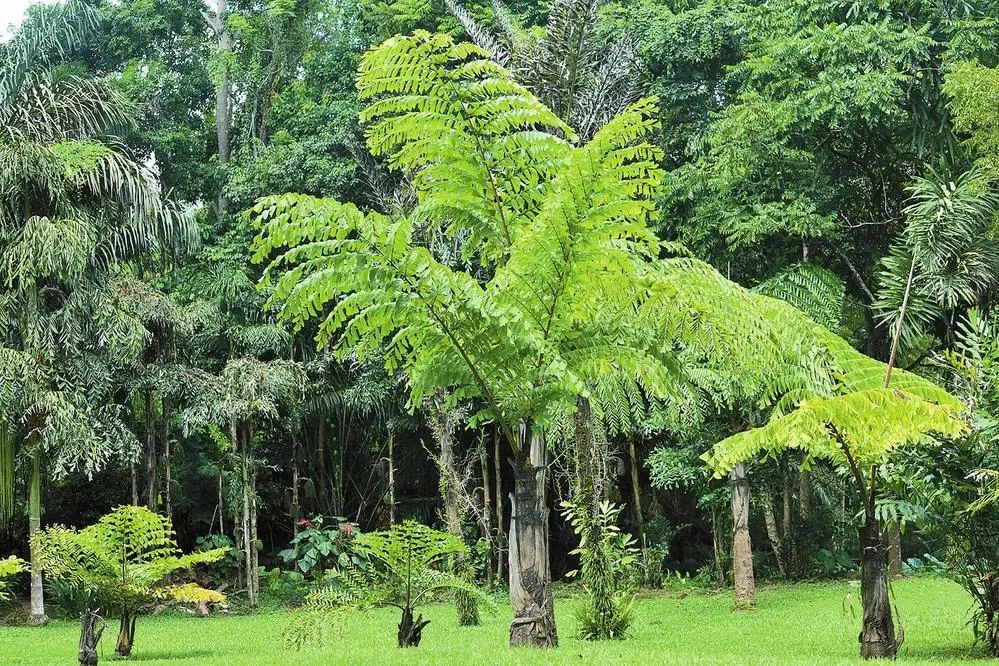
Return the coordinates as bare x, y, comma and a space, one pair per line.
800, 624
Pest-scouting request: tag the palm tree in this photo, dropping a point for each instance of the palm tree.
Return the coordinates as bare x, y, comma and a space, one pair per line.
73, 207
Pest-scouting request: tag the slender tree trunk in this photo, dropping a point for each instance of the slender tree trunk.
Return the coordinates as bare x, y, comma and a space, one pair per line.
718, 547
530, 572
221, 502
877, 635
38, 616
150, 453
91, 628
468, 611
587, 488
636, 492
295, 511
247, 521
894, 548
391, 476
790, 546
773, 533
167, 473
322, 474
805, 491
254, 541
223, 110
742, 549
500, 536
487, 511
135, 483
126, 634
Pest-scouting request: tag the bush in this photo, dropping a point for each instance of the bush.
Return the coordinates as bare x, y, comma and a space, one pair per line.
316, 548
608, 567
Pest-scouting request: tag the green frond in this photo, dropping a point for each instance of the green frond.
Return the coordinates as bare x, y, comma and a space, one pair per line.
124, 559
816, 291
868, 425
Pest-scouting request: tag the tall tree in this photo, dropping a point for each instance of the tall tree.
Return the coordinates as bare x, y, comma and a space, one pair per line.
74, 206
523, 341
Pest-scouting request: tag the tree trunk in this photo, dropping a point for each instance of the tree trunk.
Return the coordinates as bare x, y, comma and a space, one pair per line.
487, 510
92, 626
410, 630
636, 495
790, 545
391, 477
223, 110
877, 636
248, 521
167, 478
38, 616
221, 502
530, 572
135, 483
805, 491
468, 611
126, 634
150, 453
742, 548
894, 548
295, 510
500, 536
322, 474
772, 532
718, 547
587, 486
254, 574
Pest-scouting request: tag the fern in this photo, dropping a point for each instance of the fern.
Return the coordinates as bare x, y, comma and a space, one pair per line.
410, 567
123, 562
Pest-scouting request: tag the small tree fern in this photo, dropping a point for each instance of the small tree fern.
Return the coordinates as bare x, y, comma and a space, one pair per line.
410, 565
121, 563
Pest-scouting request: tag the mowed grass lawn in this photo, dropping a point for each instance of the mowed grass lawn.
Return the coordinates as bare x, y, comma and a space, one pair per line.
801, 624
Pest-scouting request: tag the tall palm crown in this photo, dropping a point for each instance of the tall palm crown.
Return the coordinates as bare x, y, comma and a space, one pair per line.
73, 207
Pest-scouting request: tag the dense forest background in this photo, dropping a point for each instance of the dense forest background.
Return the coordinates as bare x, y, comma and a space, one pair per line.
799, 137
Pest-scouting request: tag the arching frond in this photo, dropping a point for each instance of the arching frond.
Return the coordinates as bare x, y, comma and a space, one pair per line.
835, 428
816, 291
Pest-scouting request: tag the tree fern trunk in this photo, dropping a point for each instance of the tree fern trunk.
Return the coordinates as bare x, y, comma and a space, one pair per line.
126, 634
410, 629
877, 635
38, 616
742, 548
530, 572
92, 626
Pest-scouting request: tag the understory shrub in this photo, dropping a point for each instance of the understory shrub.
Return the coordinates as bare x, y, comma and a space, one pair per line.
608, 568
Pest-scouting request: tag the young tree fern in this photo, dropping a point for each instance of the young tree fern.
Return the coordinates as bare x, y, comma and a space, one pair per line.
123, 562
410, 565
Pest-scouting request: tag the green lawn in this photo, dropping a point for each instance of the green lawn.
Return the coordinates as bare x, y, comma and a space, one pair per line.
803, 624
